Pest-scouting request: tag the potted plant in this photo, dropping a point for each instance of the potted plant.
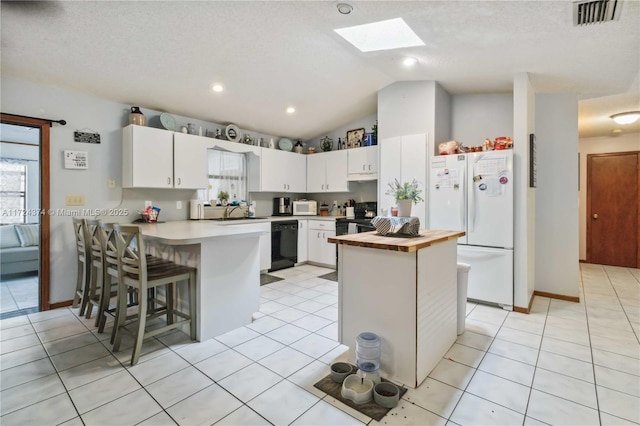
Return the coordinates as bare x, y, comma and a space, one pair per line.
223, 196
405, 194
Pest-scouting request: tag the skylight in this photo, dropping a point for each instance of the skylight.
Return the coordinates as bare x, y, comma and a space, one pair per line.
383, 35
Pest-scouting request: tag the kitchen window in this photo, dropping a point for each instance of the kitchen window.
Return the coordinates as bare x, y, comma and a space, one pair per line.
227, 172
13, 194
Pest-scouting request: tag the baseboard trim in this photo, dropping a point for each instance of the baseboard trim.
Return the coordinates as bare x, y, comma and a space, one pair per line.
527, 309
557, 296
62, 304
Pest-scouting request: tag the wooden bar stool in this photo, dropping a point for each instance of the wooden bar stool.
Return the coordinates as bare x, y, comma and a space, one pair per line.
82, 277
95, 263
135, 272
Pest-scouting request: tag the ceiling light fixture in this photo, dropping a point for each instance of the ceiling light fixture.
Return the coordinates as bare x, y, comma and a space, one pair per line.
344, 8
217, 87
626, 117
382, 35
291, 110
409, 61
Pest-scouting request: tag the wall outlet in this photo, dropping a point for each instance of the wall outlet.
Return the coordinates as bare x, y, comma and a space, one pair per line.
178, 205
74, 200
148, 204
111, 183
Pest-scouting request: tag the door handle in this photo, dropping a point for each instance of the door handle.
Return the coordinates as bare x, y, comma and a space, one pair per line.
595, 215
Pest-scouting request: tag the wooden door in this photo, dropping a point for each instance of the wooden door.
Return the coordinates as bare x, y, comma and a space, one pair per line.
613, 209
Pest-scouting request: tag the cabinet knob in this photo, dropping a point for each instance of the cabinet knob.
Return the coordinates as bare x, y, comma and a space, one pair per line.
364, 167
318, 235
595, 215
284, 186
169, 180
327, 187
369, 167
179, 181
322, 186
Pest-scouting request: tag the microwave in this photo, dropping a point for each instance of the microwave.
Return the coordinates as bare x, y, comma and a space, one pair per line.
305, 208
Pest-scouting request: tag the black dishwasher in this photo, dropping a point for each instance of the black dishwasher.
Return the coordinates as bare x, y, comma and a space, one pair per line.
284, 244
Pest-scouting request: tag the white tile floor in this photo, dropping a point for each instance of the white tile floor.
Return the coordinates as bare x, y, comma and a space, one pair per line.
565, 363
18, 291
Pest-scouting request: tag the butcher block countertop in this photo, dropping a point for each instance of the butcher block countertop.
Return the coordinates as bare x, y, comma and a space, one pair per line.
427, 237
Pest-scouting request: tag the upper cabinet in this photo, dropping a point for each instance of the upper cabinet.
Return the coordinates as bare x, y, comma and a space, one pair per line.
190, 161
277, 171
363, 163
403, 158
327, 172
156, 158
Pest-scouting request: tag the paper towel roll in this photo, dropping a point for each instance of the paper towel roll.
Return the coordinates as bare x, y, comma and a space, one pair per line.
351, 213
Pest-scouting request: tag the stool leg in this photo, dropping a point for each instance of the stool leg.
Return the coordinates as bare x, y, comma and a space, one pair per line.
170, 297
193, 309
139, 337
85, 287
79, 285
121, 315
105, 297
95, 280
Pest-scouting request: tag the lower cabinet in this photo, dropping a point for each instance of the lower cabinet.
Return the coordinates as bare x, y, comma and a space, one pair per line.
303, 239
265, 246
320, 251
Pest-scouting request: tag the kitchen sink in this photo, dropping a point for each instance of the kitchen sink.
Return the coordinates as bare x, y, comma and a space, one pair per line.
225, 219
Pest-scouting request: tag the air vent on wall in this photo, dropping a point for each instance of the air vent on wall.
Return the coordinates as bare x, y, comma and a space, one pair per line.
594, 11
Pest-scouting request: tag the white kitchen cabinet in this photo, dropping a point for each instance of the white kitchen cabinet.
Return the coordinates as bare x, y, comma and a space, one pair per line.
320, 251
278, 171
190, 161
156, 158
363, 163
303, 238
327, 172
403, 158
265, 246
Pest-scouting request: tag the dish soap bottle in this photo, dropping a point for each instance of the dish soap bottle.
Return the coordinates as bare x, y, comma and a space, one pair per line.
252, 209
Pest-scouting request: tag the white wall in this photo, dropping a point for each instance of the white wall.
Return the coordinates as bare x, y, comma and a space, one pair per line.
622, 143
404, 108
556, 231
475, 117
525, 201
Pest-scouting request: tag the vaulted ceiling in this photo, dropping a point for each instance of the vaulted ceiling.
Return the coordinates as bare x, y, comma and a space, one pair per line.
165, 55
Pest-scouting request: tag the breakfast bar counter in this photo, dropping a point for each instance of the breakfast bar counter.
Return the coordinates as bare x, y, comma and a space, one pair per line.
404, 289
228, 261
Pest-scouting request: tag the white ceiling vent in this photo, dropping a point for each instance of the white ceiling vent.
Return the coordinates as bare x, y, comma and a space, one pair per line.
594, 11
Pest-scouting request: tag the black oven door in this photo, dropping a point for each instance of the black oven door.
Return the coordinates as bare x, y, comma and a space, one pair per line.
365, 227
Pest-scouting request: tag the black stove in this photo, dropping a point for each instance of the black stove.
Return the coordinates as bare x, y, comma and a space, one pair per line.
362, 223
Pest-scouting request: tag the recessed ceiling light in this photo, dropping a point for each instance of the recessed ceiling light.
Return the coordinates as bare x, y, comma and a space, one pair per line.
409, 62
291, 110
383, 35
344, 8
626, 117
217, 87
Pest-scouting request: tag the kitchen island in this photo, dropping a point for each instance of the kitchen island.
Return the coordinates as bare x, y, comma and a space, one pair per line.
228, 261
404, 290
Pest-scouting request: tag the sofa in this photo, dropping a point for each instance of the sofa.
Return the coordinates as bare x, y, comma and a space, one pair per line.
19, 248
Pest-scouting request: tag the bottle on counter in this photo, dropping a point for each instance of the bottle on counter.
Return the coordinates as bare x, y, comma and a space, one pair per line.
252, 209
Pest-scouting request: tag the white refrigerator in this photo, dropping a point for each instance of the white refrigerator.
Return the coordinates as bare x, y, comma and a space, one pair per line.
474, 192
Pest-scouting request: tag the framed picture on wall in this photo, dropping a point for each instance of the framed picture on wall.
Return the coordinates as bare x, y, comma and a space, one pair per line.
532, 161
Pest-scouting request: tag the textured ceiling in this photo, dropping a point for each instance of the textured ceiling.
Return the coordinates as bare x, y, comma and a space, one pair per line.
269, 55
